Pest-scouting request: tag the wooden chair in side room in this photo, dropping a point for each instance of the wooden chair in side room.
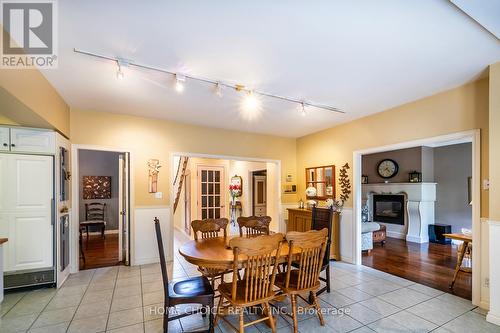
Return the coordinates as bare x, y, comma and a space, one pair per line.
304, 278
258, 257
254, 225
195, 290
95, 216
211, 228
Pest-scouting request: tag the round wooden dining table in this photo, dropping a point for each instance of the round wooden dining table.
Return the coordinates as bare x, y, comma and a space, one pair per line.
215, 252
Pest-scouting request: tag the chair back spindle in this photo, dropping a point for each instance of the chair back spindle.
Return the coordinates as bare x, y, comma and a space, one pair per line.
258, 257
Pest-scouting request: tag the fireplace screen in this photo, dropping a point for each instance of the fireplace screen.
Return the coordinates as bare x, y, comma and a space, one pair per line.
388, 209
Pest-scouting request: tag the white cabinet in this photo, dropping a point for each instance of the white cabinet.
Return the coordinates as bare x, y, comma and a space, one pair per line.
32, 141
4, 138
26, 201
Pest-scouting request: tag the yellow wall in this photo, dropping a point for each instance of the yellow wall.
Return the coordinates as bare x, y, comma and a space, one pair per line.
152, 138
459, 109
6, 121
33, 90
495, 141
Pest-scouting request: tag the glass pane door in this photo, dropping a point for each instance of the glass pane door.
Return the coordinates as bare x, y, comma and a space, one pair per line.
211, 192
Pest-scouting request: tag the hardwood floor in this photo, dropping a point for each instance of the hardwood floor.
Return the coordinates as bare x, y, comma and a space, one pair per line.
100, 252
430, 264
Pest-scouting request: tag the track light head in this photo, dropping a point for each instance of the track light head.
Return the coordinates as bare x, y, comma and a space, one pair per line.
121, 63
179, 82
218, 89
302, 109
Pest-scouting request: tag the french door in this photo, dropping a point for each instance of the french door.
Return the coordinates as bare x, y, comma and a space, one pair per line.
211, 192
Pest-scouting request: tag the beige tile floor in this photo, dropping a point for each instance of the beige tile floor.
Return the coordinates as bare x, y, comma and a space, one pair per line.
120, 299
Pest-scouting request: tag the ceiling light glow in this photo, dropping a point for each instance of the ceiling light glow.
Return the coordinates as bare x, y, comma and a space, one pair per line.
251, 102
179, 83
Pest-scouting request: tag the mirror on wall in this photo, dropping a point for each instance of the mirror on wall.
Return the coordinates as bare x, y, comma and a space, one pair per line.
320, 182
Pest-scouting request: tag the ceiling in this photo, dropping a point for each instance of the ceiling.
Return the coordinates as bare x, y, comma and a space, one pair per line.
361, 56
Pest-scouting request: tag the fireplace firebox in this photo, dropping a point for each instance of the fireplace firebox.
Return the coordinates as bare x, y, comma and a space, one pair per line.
389, 208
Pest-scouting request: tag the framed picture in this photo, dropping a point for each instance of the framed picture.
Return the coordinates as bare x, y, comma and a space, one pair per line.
364, 179
96, 187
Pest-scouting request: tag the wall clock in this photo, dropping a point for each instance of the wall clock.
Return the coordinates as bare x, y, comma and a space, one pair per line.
387, 168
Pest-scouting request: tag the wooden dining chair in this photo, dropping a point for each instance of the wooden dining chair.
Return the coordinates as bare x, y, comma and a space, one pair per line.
210, 228
195, 290
254, 225
95, 216
321, 219
258, 257
307, 249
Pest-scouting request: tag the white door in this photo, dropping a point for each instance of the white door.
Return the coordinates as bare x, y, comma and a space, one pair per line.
124, 211
4, 138
32, 141
211, 192
259, 196
27, 207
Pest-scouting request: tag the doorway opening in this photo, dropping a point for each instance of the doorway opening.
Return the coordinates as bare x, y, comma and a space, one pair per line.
408, 196
259, 189
102, 214
201, 190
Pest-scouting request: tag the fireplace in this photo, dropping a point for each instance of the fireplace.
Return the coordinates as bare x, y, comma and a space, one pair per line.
389, 208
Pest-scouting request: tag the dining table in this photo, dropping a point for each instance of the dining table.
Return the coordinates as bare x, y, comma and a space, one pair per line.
464, 247
216, 253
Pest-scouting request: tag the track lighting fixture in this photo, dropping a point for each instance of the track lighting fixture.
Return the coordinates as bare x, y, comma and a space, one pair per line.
250, 100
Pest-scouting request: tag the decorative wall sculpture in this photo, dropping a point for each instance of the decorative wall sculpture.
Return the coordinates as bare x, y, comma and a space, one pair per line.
154, 169
345, 183
96, 187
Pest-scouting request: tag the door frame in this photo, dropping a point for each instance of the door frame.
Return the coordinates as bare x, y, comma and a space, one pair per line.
75, 207
187, 203
473, 136
281, 222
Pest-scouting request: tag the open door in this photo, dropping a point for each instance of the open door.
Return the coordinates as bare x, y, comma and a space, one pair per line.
124, 209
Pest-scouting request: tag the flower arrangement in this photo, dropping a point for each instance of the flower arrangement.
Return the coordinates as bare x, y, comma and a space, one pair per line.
234, 191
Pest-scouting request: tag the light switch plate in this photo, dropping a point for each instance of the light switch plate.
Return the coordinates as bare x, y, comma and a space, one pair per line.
159, 195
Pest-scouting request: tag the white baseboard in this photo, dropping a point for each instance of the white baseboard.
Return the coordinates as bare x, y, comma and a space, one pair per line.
415, 239
493, 318
347, 259
394, 234
485, 305
106, 232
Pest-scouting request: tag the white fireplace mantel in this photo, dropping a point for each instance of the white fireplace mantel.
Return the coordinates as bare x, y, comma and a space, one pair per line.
420, 200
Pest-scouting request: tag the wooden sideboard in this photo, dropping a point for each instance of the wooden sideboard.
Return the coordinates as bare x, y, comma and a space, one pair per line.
300, 220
